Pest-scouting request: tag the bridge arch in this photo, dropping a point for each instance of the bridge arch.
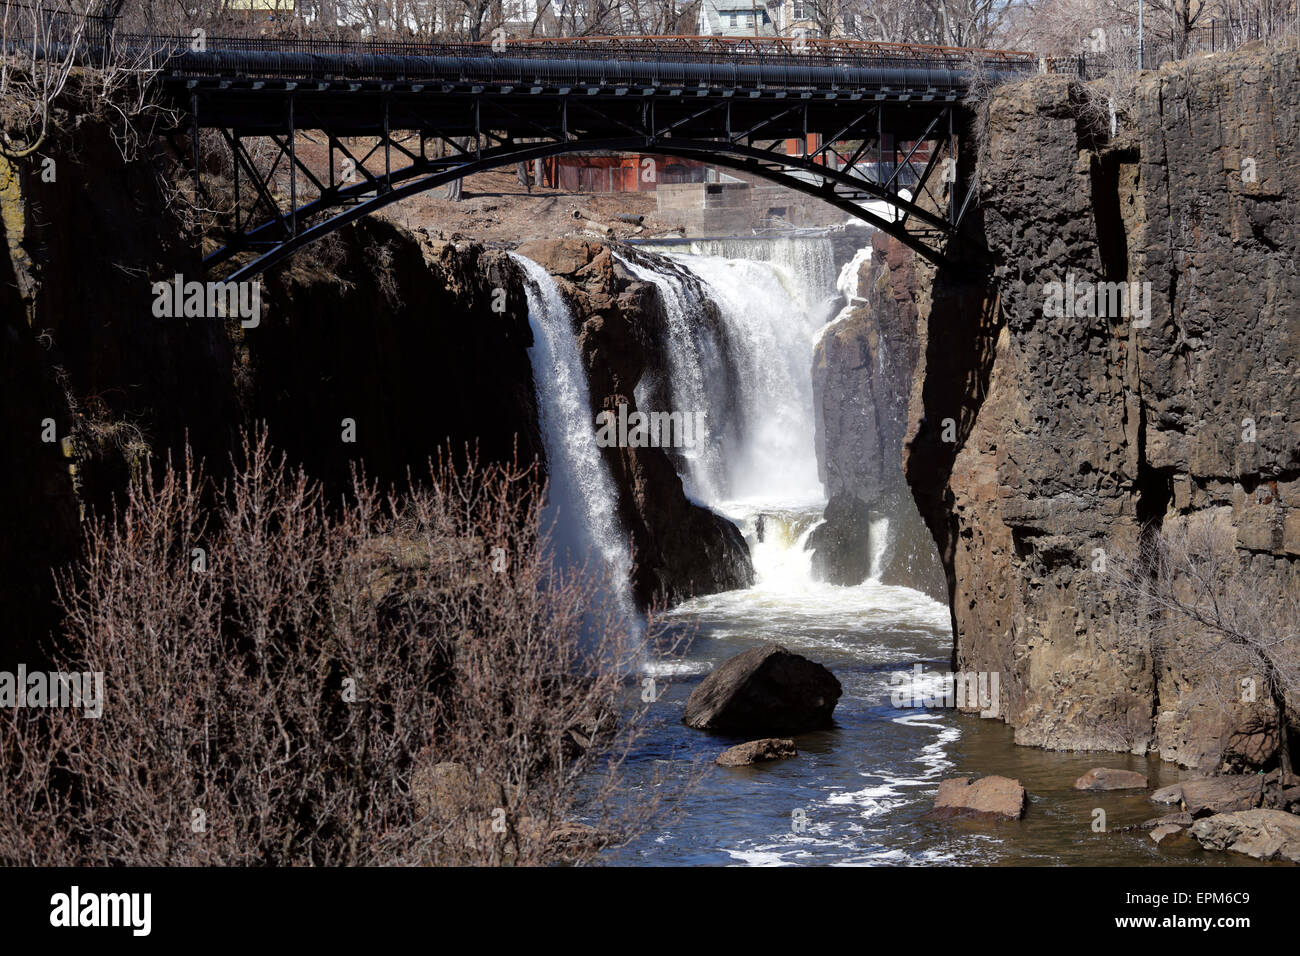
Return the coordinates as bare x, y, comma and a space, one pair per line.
278, 238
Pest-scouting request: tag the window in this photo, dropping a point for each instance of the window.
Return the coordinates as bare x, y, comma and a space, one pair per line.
732, 19
797, 11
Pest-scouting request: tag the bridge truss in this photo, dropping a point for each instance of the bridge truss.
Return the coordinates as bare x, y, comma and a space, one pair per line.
888, 125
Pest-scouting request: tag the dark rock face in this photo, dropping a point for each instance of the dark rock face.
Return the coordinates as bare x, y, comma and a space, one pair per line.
862, 370
841, 545
757, 751
79, 345
374, 324
681, 549
1072, 433
764, 689
398, 333
993, 798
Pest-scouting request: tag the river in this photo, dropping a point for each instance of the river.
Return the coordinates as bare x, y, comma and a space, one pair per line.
859, 791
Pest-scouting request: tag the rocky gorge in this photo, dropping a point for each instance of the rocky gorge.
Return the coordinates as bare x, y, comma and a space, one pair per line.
970, 445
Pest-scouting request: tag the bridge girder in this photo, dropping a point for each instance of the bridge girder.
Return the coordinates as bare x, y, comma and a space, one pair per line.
476, 131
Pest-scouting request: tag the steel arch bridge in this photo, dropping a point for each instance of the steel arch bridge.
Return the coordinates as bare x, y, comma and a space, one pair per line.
888, 118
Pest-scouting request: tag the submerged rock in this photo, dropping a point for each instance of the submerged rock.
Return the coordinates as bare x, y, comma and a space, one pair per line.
994, 797
1167, 830
757, 751
1262, 834
766, 688
1107, 778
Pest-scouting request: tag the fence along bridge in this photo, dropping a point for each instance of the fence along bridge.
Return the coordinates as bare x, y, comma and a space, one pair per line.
432, 113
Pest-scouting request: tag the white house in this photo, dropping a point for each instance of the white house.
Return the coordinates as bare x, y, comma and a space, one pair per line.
744, 18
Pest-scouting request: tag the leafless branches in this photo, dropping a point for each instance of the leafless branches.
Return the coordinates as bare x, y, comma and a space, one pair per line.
409, 679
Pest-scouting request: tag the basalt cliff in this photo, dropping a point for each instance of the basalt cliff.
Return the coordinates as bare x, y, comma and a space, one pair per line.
1041, 439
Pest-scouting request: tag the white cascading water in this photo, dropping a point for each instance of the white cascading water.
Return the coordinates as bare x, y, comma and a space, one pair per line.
775, 299
581, 497
770, 325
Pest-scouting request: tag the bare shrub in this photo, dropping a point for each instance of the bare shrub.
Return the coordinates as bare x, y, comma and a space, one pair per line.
1188, 588
292, 683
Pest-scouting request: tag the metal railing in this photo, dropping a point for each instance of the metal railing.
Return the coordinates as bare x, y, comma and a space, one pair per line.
1159, 47
674, 49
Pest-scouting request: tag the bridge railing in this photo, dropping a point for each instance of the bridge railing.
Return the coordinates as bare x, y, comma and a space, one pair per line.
676, 49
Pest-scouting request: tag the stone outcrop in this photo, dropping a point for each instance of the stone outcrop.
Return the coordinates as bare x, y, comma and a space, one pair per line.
90, 381
1262, 834
757, 751
993, 798
398, 333
681, 548
862, 370
1221, 794
1040, 443
765, 689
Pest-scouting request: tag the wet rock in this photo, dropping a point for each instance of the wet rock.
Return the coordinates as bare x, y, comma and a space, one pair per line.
1170, 794
993, 797
860, 423
841, 544
1107, 778
1180, 819
1262, 834
1165, 831
766, 688
756, 751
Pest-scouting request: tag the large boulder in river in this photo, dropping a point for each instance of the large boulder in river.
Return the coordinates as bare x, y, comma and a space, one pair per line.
765, 689
1225, 794
1263, 834
992, 798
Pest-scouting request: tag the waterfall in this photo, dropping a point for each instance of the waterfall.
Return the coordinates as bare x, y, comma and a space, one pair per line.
741, 317
581, 500
770, 320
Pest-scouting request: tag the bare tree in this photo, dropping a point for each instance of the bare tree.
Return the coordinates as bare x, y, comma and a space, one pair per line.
45, 42
397, 679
